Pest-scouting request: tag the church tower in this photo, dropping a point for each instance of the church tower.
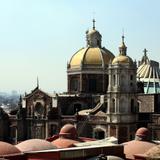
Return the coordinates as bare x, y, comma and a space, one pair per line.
121, 112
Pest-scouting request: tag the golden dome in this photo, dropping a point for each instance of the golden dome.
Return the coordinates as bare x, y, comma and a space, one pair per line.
91, 56
122, 59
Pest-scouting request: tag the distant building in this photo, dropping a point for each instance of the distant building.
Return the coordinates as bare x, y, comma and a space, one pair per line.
149, 103
149, 73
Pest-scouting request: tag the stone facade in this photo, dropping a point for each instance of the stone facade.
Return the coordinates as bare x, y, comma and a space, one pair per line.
37, 117
87, 83
149, 113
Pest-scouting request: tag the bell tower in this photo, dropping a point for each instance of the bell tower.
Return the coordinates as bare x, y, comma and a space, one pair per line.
121, 114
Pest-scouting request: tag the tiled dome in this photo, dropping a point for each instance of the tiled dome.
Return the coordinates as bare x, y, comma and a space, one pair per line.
154, 151
8, 149
35, 145
136, 147
64, 142
121, 59
67, 137
93, 54
143, 132
68, 131
149, 73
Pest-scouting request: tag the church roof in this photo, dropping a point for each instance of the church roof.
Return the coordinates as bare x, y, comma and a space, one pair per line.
149, 73
36, 90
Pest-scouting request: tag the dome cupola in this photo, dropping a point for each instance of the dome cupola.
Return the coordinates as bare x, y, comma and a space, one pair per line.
122, 58
123, 48
93, 37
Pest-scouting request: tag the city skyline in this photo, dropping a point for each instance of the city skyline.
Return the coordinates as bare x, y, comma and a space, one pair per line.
39, 37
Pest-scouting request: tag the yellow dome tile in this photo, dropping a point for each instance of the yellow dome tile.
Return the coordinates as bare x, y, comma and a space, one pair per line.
121, 59
91, 56
77, 58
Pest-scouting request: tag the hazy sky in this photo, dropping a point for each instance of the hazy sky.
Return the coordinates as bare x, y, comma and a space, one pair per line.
38, 37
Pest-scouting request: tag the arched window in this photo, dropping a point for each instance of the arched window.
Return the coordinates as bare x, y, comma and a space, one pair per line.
52, 129
132, 106
107, 77
131, 84
114, 80
38, 110
29, 111
113, 106
122, 107
77, 107
98, 43
138, 107
99, 134
123, 81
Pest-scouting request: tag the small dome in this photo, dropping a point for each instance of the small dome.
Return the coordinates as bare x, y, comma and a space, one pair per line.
7, 149
35, 145
143, 132
154, 151
136, 147
67, 137
68, 131
91, 56
122, 59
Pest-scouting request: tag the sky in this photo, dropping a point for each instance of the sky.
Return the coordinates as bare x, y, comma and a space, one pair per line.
38, 37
